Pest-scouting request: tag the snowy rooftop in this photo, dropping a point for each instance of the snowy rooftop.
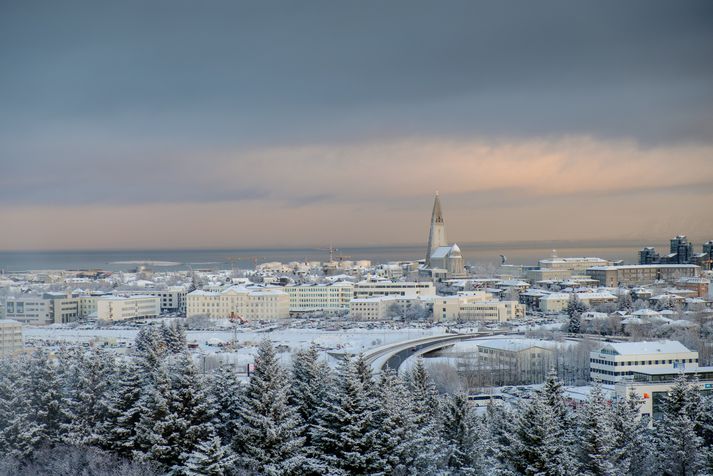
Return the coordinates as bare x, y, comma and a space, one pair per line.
650, 347
516, 345
641, 266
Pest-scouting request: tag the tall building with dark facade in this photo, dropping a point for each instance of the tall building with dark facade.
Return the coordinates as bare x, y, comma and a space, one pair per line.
681, 251
648, 255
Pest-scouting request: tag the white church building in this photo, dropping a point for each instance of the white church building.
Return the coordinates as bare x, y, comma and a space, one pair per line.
442, 260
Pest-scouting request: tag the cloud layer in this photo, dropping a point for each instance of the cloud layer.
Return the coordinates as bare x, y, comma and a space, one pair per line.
243, 123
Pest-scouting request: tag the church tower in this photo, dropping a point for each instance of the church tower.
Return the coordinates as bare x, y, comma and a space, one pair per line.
437, 233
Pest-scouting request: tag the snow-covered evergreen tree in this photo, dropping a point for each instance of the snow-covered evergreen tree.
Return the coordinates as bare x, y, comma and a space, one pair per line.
86, 392
575, 308
680, 446
310, 379
118, 430
498, 438
8, 399
174, 338
542, 443
38, 407
210, 458
176, 415
225, 389
431, 452
268, 438
399, 439
632, 442
460, 433
596, 435
347, 430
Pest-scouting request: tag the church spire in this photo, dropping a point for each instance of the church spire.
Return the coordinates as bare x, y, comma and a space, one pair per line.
437, 232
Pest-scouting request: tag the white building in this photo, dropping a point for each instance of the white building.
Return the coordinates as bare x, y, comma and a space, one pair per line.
556, 303
172, 299
239, 301
371, 288
577, 264
371, 309
320, 297
121, 308
653, 385
476, 306
29, 310
617, 361
10, 336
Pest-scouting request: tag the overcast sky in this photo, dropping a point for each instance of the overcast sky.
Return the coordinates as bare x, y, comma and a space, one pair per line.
154, 124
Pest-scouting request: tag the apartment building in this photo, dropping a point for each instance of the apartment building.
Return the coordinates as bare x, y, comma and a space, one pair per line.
617, 361
476, 306
372, 308
320, 297
10, 336
371, 288
50, 308
121, 308
634, 275
247, 303
172, 299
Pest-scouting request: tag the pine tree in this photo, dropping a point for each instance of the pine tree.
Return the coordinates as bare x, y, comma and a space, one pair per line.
460, 429
8, 398
707, 430
268, 436
680, 447
210, 458
225, 389
399, 440
176, 415
118, 430
38, 407
85, 401
310, 380
575, 308
543, 439
150, 347
632, 442
346, 433
174, 338
499, 438
596, 435
431, 453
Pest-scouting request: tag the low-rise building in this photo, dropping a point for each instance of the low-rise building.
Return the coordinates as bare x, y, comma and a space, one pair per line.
635, 275
371, 288
476, 306
653, 385
524, 360
122, 308
320, 297
172, 299
371, 309
257, 303
617, 361
10, 336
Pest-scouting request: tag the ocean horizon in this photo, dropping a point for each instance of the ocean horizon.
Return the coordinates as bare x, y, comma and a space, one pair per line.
483, 254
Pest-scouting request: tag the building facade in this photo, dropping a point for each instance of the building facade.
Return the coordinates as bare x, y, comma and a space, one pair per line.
320, 297
371, 288
616, 362
634, 275
238, 301
10, 336
122, 308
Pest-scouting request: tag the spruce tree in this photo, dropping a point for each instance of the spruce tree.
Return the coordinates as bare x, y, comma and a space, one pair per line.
210, 458
596, 435
347, 430
85, 403
268, 438
399, 439
38, 407
225, 389
632, 441
460, 429
679, 444
310, 380
8, 398
431, 452
575, 308
118, 429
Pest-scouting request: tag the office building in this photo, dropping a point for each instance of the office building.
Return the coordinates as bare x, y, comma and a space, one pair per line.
122, 308
10, 336
238, 301
616, 361
371, 288
635, 275
320, 297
